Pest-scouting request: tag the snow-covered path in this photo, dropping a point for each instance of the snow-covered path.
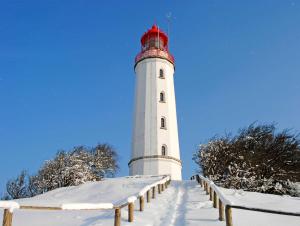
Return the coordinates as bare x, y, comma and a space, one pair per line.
188, 205
183, 203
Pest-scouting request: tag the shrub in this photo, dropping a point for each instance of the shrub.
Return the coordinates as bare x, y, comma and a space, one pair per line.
256, 159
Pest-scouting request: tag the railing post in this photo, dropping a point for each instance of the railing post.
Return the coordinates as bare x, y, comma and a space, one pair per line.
206, 188
7, 218
117, 217
153, 192
142, 203
215, 200
148, 196
166, 185
228, 214
130, 212
158, 188
210, 194
221, 210
162, 187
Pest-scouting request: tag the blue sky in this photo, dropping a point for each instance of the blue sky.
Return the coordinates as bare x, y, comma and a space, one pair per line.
67, 79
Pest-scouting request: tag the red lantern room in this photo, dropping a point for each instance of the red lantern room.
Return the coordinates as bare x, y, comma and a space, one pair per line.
154, 45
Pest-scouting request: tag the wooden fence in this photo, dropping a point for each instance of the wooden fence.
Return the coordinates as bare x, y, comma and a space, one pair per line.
225, 206
150, 191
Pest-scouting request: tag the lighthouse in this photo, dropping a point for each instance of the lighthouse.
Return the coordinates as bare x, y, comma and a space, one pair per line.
155, 145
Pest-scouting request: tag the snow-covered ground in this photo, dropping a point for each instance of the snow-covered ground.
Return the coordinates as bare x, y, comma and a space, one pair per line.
183, 203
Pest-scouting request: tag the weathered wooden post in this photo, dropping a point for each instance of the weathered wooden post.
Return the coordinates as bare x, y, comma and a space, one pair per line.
215, 200
210, 194
7, 218
153, 192
130, 212
206, 188
148, 196
117, 217
141, 203
162, 187
166, 185
228, 214
221, 210
158, 188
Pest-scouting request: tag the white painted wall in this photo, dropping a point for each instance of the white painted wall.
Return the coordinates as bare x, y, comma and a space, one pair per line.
148, 137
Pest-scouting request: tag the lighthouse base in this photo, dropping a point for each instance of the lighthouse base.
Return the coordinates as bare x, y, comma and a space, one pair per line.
158, 165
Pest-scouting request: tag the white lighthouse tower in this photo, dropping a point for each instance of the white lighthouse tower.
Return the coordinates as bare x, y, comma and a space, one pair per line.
155, 146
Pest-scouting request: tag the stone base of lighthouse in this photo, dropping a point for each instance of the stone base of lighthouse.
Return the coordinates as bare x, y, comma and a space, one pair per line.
156, 165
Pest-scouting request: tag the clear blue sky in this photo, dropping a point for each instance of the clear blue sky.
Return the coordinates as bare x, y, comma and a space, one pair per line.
67, 79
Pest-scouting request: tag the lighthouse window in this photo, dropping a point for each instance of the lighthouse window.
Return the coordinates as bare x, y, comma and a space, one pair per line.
163, 123
162, 97
164, 150
161, 73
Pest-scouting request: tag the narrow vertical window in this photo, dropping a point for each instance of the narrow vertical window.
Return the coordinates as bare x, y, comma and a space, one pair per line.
162, 97
163, 150
163, 123
161, 73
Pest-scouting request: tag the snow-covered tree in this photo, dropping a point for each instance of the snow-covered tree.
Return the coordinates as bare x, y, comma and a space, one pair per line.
17, 188
256, 159
68, 168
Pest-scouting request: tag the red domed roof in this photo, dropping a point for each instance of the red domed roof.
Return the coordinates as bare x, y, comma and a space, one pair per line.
154, 45
154, 32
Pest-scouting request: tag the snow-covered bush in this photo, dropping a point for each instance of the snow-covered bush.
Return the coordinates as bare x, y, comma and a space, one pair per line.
68, 168
256, 159
18, 187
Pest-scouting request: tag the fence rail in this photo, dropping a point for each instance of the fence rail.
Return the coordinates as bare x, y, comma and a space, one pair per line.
219, 201
161, 185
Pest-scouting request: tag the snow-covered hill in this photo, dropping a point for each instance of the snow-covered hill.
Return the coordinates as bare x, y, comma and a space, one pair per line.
183, 203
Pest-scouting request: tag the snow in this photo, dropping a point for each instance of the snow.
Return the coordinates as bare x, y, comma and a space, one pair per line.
144, 190
86, 206
183, 203
256, 200
11, 205
259, 200
110, 190
131, 199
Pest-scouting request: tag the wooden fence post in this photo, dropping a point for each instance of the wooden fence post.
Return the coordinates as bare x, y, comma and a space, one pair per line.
158, 188
117, 217
228, 214
130, 212
148, 196
215, 200
142, 203
162, 187
153, 192
221, 210
198, 179
207, 189
7, 218
210, 194
166, 185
